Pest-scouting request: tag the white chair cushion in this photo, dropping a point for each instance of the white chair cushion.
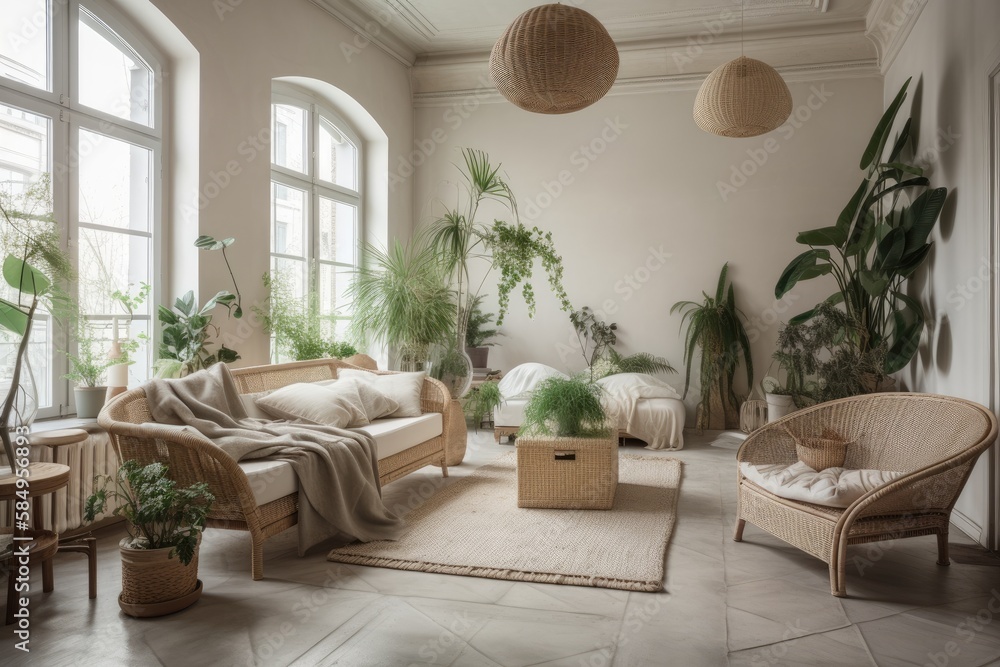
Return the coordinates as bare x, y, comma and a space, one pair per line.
270, 479
403, 388
833, 487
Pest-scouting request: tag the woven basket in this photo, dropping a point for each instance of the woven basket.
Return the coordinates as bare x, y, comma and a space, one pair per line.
458, 435
554, 59
753, 415
152, 580
567, 473
828, 450
742, 98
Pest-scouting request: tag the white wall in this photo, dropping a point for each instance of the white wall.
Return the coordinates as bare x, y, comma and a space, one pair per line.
949, 53
241, 47
656, 186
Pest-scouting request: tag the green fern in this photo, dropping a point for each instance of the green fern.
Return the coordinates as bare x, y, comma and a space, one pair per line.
565, 408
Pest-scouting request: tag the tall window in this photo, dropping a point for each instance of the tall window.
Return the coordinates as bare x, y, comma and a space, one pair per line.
80, 101
315, 206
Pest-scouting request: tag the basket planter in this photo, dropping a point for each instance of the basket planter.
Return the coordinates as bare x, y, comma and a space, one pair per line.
153, 584
567, 473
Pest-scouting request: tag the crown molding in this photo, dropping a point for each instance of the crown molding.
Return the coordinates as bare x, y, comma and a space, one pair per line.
379, 30
888, 24
672, 63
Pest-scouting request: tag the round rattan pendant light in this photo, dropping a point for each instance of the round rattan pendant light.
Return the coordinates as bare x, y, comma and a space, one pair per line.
743, 98
554, 59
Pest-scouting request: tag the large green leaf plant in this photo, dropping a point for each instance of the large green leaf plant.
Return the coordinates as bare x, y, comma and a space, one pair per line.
879, 240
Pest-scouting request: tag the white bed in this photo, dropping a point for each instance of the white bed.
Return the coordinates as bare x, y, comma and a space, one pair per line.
647, 408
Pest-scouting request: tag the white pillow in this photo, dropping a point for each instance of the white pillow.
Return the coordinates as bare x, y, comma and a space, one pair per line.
308, 402
403, 388
376, 404
521, 380
637, 385
833, 487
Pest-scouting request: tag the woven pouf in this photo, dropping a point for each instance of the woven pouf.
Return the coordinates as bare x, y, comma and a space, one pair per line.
554, 59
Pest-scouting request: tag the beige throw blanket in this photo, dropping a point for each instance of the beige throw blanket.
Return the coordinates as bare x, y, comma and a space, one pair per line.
337, 469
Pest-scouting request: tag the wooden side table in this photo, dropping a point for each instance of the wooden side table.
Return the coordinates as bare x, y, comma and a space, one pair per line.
42, 545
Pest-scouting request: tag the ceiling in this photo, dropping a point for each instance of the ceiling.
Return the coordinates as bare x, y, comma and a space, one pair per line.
428, 28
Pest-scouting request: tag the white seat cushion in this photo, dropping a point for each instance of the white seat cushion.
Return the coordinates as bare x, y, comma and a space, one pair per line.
833, 487
510, 412
271, 479
395, 435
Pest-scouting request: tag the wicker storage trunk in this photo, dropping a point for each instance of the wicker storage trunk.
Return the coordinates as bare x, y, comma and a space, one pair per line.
567, 473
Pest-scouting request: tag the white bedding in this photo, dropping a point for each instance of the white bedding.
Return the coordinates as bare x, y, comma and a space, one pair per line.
832, 487
646, 408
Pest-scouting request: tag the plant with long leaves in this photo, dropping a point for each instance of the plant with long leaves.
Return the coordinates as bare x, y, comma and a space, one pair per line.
35, 267
597, 339
566, 408
510, 247
482, 401
159, 514
401, 296
715, 326
875, 246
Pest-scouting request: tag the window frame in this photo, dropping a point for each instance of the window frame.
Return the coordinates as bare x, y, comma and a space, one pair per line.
317, 188
67, 117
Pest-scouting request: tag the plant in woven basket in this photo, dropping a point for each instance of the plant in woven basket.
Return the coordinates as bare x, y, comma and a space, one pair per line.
566, 408
159, 514
715, 326
874, 247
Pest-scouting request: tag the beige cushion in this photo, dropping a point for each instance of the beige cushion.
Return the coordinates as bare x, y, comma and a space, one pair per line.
403, 388
375, 403
308, 402
393, 436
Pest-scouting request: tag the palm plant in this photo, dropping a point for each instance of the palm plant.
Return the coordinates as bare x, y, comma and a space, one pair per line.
874, 247
458, 239
401, 296
478, 331
715, 326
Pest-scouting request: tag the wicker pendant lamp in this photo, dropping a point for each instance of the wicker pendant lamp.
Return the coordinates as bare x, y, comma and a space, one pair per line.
743, 98
554, 59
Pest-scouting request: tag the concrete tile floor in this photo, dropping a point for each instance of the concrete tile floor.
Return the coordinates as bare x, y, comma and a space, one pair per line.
756, 603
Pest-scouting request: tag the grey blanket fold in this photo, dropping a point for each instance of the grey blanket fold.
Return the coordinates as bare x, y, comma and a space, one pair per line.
337, 469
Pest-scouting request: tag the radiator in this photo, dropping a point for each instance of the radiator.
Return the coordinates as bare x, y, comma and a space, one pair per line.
63, 510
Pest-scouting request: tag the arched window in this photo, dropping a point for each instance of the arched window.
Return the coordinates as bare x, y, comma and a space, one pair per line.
316, 167
80, 100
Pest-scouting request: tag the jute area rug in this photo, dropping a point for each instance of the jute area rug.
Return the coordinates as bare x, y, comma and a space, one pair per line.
475, 528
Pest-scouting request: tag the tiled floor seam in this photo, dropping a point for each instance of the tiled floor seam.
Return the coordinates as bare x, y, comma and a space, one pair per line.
380, 600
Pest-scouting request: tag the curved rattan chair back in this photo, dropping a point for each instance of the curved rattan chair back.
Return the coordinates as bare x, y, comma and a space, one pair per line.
902, 432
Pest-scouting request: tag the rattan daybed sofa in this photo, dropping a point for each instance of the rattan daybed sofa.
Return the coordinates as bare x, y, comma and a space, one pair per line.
934, 440
261, 496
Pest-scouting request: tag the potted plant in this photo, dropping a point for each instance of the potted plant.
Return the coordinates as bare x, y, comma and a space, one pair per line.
715, 327
122, 349
597, 340
478, 333
160, 556
879, 240
482, 401
87, 368
400, 296
566, 408
35, 266
296, 325
458, 239
187, 330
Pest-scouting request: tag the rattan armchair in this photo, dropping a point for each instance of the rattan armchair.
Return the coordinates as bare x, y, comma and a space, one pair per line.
934, 440
191, 458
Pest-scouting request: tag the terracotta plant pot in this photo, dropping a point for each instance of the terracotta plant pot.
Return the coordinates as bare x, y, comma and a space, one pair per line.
153, 584
89, 401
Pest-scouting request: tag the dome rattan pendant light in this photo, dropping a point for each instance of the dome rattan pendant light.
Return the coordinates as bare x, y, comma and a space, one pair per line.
743, 98
554, 59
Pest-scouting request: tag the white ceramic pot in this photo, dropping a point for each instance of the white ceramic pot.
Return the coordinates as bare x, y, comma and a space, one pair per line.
779, 405
89, 401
